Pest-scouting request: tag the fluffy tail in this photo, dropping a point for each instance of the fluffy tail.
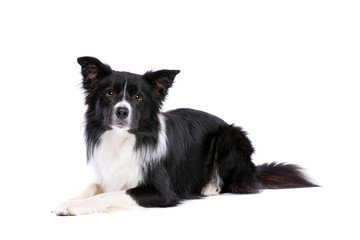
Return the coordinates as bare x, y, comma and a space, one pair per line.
280, 175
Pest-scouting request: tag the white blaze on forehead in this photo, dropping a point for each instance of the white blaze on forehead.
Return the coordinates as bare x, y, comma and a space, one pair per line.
123, 102
124, 94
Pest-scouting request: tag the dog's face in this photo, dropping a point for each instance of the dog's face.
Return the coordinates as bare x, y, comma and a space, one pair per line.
120, 100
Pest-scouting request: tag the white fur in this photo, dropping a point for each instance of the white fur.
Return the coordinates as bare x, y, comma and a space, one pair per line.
116, 163
214, 185
126, 104
117, 167
124, 96
105, 202
210, 189
91, 190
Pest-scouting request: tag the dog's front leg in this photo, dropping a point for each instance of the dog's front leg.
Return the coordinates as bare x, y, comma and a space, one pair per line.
91, 190
105, 202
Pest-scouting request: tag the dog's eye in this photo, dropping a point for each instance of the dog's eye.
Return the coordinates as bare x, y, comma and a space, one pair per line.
138, 98
110, 94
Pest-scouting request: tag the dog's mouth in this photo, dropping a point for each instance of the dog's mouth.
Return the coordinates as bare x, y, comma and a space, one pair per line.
121, 126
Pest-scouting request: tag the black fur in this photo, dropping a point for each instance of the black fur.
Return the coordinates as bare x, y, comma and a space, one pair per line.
199, 144
281, 175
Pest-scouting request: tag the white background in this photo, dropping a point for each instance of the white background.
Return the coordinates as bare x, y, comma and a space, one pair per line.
286, 71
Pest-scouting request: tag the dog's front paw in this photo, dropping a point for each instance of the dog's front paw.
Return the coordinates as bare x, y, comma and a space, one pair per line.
76, 207
64, 209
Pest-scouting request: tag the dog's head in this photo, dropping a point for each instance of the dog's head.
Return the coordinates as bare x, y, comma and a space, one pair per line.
120, 100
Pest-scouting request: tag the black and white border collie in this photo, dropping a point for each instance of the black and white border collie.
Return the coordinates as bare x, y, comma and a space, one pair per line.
143, 157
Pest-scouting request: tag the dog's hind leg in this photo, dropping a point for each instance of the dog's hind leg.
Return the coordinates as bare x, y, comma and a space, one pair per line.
233, 158
214, 185
210, 189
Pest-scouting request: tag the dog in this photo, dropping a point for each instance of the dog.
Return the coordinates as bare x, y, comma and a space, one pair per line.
143, 157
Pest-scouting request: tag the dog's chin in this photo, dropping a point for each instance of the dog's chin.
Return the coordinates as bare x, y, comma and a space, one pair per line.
121, 129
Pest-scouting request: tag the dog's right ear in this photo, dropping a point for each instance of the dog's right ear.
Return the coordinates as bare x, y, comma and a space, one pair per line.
92, 69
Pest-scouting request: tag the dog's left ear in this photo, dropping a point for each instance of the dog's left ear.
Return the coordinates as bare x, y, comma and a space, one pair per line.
161, 80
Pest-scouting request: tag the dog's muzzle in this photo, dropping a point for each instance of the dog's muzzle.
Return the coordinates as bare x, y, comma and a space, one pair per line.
121, 116
122, 112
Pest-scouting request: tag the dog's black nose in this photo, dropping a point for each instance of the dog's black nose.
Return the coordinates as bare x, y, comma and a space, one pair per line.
122, 112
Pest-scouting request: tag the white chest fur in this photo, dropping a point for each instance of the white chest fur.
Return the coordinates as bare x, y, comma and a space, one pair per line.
116, 164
